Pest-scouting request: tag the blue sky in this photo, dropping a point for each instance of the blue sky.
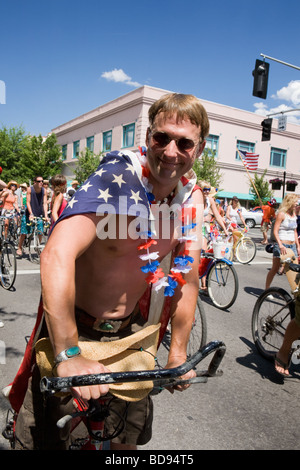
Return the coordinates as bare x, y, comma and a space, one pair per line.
62, 58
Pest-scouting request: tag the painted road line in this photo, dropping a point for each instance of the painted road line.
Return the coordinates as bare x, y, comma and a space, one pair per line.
28, 271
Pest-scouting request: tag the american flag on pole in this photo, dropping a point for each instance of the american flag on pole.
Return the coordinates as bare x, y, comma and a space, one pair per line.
250, 160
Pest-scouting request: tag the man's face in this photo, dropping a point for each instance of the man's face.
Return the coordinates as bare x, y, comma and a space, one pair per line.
167, 163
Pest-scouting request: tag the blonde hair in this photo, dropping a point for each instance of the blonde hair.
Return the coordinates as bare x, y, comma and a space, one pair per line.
203, 184
183, 106
235, 199
288, 203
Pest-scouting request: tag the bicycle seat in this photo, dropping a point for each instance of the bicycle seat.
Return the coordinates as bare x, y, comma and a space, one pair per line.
295, 267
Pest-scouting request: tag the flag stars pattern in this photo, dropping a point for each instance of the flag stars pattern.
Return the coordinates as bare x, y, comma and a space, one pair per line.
119, 180
104, 194
115, 177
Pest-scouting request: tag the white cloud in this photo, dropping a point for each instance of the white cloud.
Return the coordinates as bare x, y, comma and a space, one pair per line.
290, 93
119, 76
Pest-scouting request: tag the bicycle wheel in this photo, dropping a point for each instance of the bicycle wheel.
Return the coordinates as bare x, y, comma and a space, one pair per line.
198, 335
222, 284
8, 266
272, 312
245, 250
36, 243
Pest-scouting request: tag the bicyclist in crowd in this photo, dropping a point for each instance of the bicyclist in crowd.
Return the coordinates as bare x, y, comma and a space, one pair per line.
268, 216
210, 214
10, 203
36, 207
285, 234
90, 282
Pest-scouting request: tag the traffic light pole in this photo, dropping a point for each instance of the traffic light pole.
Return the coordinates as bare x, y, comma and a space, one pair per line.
283, 112
280, 61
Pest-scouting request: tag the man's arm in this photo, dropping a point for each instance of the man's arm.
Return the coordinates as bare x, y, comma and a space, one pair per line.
28, 202
185, 299
58, 292
45, 204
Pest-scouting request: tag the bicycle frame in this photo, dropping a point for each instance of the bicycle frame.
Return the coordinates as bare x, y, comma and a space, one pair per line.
212, 262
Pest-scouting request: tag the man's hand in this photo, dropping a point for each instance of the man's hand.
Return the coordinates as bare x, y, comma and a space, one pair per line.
189, 375
82, 366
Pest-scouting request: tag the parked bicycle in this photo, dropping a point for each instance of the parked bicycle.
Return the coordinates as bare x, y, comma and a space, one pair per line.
244, 248
273, 311
221, 279
8, 260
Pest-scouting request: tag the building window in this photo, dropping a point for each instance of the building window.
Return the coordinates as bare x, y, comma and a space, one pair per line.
128, 135
90, 143
212, 144
76, 149
278, 157
107, 137
64, 152
244, 147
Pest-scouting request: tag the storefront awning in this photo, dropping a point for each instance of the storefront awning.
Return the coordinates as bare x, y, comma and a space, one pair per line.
243, 196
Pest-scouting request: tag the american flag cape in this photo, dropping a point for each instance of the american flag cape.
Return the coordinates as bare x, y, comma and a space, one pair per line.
250, 160
115, 186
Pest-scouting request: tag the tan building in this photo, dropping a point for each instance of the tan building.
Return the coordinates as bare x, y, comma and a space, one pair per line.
122, 123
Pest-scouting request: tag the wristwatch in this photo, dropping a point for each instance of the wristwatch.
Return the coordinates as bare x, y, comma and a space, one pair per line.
67, 354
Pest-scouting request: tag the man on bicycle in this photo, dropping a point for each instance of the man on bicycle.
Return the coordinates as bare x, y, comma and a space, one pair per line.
93, 277
36, 207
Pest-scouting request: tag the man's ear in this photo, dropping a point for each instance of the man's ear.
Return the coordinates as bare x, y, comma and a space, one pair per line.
201, 148
148, 136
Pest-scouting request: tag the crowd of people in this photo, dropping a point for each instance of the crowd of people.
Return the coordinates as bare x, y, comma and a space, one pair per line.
100, 294
44, 199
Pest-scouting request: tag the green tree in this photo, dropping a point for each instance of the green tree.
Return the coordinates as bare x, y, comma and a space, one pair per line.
87, 163
207, 169
14, 144
43, 158
262, 192
22, 156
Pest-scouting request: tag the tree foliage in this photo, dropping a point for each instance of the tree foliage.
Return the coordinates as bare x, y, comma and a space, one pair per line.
207, 169
262, 188
22, 157
87, 163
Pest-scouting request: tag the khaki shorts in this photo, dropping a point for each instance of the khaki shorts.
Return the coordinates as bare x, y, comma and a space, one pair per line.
264, 227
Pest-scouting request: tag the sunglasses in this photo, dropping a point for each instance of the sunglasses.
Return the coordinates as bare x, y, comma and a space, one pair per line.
39, 181
206, 189
163, 139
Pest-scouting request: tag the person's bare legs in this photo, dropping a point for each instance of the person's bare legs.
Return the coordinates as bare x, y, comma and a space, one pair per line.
292, 333
272, 272
21, 241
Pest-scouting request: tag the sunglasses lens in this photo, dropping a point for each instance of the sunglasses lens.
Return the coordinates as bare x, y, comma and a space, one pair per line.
161, 139
185, 144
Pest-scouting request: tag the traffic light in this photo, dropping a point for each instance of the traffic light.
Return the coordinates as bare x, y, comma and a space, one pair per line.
260, 74
266, 129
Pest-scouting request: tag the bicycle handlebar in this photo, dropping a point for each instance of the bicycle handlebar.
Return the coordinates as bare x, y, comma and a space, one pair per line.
161, 377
